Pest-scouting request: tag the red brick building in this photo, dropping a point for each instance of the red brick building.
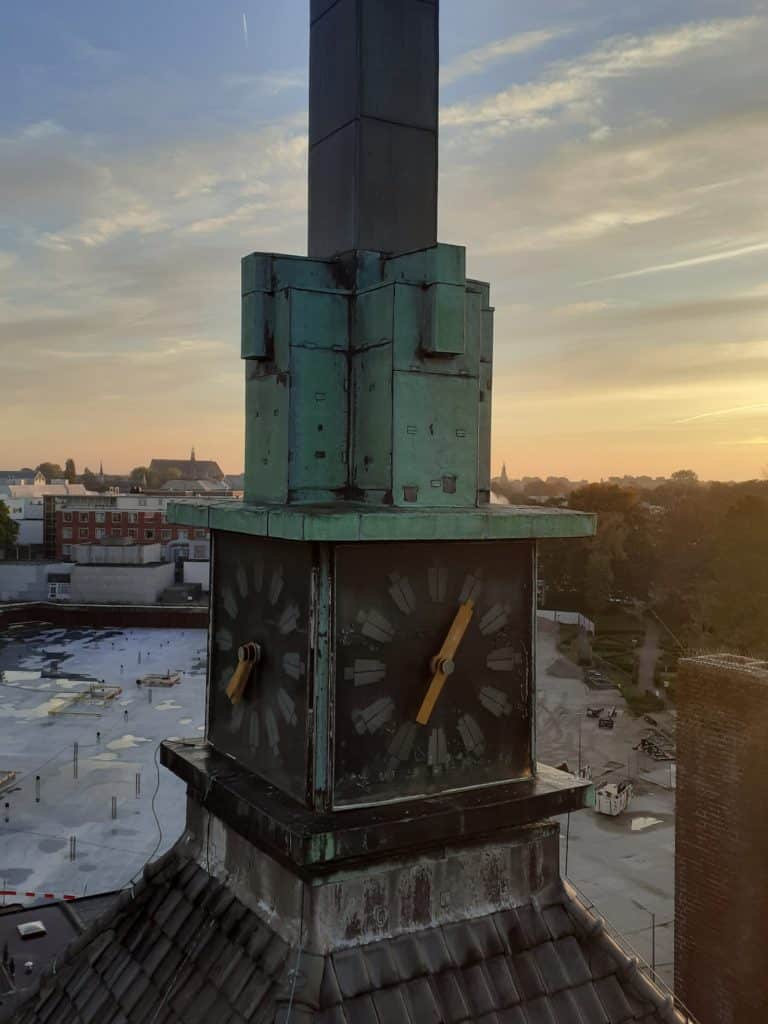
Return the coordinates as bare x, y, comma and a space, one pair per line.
139, 517
721, 841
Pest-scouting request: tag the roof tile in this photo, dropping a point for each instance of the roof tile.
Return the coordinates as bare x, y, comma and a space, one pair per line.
550, 967
558, 921
529, 981
613, 999
380, 964
351, 972
477, 987
500, 977
450, 993
420, 1000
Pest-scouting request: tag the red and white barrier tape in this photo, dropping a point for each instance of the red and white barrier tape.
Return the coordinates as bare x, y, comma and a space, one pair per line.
37, 895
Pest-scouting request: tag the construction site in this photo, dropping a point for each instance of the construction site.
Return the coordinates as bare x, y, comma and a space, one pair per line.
84, 802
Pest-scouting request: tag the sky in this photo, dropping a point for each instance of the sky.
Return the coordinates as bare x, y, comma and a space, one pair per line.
605, 162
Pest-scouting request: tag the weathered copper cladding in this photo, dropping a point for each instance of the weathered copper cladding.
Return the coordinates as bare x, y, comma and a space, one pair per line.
367, 378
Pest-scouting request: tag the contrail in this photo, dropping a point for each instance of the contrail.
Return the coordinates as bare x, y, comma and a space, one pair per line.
724, 412
245, 30
696, 261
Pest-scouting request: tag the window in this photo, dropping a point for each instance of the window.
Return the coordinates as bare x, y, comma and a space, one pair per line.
99, 517
201, 551
117, 533
165, 534
133, 517
65, 549
57, 591
82, 533
142, 501
200, 533
66, 533
117, 517
67, 517
83, 517
99, 532
183, 535
149, 535
132, 532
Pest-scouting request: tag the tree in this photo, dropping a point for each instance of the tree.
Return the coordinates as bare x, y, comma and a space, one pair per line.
90, 480
685, 476
70, 472
8, 528
50, 470
735, 599
139, 475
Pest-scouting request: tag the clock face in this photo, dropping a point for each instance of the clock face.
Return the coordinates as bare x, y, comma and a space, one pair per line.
260, 595
433, 667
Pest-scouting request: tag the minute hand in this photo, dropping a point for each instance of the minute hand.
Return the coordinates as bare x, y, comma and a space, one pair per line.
442, 663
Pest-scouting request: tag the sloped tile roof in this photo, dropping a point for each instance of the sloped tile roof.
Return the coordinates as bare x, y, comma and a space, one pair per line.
184, 950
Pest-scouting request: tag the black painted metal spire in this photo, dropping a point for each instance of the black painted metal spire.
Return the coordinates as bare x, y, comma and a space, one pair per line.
373, 110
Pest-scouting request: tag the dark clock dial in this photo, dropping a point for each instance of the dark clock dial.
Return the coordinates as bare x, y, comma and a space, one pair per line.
433, 668
261, 595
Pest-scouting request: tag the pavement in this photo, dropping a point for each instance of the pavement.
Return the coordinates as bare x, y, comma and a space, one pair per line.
116, 744
625, 865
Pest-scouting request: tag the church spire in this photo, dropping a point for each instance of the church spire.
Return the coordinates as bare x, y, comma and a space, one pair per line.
192, 456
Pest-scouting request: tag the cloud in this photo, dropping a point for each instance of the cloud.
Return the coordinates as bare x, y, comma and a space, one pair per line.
576, 83
477, 61
266, 83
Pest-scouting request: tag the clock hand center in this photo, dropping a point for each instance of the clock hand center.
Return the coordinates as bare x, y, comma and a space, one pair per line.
442, 665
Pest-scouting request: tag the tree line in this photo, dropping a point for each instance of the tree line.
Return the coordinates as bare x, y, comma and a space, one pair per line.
696, 554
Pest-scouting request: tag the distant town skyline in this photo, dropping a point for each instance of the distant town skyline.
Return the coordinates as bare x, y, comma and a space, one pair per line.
603, 165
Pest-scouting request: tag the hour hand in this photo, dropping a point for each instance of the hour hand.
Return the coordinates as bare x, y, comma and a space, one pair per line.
442, 664
248, 656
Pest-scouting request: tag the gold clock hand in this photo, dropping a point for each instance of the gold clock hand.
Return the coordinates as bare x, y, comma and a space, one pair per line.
247, 657
442, 663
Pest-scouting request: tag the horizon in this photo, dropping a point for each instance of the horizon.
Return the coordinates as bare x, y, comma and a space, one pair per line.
603, 171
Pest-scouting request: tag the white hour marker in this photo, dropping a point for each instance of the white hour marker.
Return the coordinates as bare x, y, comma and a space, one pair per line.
293, 666
372, 718
471, 735
287, 706
253, 729
437, 581
365, 671
402, 745
258, 573
473, 584
437, 750
495, 701
276, 585
273, 733
230, 604
375, 626
288, 619
401, 593
224, 639
506, 659
494, 619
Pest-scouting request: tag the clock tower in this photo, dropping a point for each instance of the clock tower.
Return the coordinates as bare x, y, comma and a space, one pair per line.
371, 674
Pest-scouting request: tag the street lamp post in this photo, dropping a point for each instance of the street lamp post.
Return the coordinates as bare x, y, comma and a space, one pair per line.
652, 916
